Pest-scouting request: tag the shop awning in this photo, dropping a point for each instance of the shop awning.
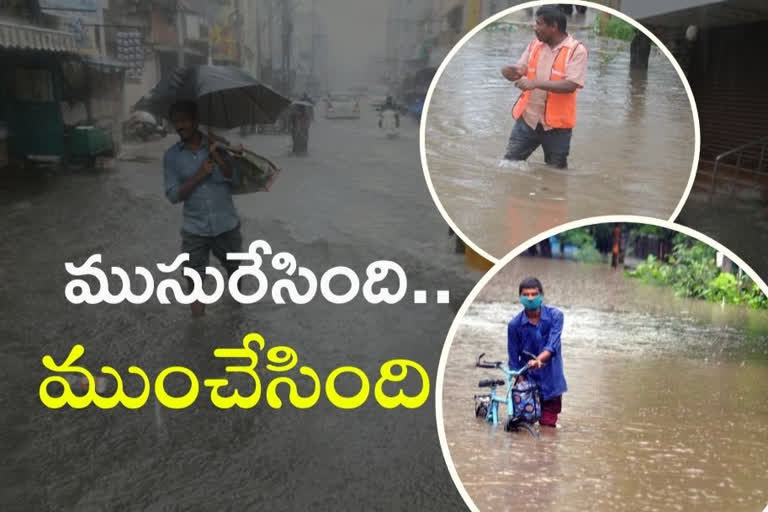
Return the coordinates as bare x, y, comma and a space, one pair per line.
105, 64
25, 37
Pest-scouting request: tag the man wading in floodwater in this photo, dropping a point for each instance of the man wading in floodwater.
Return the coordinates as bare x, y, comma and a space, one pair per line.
537, 330
201, 176
550, 72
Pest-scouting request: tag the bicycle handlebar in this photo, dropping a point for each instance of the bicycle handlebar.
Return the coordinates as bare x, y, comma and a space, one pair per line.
500, 364
487, 364
490, 382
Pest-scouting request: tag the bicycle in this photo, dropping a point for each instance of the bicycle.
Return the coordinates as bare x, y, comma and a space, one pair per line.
487, 405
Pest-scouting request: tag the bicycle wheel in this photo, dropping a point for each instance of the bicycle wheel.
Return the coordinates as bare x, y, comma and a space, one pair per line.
530, 428
514, 425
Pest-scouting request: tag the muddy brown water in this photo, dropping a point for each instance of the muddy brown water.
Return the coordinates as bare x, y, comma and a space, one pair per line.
666, 408
631, 151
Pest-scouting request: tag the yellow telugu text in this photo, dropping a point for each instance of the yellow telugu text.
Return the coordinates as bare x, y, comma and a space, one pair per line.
281, 360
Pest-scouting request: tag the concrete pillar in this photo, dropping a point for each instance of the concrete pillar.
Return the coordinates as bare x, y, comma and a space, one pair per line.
639, 51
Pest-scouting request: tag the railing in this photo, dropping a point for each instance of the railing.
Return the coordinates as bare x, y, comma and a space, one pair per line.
739, 152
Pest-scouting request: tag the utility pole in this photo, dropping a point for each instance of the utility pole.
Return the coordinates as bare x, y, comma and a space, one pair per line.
258, 39
237, 26
210, 44
396, 46
211, 21
101, 28
270, 35
390, 52
287, 27
180, 33
312, 63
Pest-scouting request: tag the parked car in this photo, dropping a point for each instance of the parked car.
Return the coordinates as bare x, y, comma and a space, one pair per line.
143, 126
342, 106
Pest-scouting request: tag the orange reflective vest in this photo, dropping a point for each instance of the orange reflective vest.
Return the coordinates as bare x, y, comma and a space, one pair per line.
560, 109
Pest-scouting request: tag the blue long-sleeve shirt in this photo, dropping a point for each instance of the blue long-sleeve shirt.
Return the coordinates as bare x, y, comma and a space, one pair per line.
523, 335
209, 210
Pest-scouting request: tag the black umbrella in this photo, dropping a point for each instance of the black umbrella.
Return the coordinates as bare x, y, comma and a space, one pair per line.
226, 97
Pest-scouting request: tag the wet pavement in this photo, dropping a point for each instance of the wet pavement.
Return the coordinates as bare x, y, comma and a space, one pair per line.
355, 199
631, 152
665, 410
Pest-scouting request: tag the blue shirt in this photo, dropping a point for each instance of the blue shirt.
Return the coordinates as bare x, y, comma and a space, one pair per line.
523, 335
209, 209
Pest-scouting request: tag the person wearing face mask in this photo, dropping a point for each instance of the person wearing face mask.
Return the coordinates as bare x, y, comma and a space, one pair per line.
537, 329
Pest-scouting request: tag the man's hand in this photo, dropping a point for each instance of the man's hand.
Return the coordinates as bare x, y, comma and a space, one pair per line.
526, 85
203, 172
238, 151
207, 168
535, 364
513, 73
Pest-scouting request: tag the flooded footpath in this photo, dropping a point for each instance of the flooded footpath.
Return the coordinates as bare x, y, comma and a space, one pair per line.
666, 408
631, 151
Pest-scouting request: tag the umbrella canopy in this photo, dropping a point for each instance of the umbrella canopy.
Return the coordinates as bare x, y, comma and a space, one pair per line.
226, 97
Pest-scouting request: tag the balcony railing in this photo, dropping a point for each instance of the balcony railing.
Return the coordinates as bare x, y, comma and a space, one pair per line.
738, 153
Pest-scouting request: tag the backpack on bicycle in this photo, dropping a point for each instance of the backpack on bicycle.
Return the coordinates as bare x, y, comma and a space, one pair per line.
526, 401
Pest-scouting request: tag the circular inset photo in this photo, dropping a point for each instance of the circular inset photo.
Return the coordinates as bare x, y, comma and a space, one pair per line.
538, 117
624, 369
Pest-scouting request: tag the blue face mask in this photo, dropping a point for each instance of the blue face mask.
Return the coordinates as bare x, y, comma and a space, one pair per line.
531, 304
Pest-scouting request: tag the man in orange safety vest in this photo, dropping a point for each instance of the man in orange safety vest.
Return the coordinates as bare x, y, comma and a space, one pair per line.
550, 72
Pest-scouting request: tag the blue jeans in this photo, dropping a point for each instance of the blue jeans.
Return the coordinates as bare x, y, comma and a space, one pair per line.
523, 141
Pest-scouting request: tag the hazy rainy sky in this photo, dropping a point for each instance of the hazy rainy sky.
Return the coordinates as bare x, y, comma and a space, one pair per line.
357, 33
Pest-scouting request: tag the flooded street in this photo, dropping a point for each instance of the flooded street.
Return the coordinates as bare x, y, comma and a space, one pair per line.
345, 204
666, 408
631, 150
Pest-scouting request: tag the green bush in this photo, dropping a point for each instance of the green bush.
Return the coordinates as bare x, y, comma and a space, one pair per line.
615, 28
692, 272
692, 269
724, 288
650, 272
578, 237
587, 253
756, 298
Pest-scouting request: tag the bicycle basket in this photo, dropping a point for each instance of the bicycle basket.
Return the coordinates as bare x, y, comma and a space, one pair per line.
526, 401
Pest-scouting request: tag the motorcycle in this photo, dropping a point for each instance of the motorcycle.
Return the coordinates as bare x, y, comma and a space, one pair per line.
389, 122
143, 125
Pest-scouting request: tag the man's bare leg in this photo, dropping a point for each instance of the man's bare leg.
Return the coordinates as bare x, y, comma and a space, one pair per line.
197, 308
